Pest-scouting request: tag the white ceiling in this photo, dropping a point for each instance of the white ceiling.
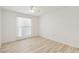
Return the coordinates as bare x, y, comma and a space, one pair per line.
24, 9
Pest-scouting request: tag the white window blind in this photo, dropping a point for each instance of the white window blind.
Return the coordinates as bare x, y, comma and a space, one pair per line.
24, 27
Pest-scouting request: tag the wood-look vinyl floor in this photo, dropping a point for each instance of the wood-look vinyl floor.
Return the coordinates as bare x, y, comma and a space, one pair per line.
37, 45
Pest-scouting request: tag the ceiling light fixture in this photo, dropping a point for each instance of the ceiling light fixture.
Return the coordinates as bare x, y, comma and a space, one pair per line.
33, 9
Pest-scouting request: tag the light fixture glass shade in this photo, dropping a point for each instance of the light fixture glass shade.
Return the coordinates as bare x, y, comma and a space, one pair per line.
33, 9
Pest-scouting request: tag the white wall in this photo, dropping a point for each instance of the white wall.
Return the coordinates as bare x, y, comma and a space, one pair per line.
0, 27
9, 25
61, 26
35, 26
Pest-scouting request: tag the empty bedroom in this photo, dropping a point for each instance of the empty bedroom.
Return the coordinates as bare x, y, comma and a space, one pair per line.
39, 29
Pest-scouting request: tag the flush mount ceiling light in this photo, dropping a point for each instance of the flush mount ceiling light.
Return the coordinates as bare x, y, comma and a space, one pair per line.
33, 9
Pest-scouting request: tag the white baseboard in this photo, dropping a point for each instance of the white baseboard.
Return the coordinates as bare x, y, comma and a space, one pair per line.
18, 39
66, 43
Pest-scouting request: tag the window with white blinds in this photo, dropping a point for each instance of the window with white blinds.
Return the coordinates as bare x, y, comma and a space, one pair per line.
24, 27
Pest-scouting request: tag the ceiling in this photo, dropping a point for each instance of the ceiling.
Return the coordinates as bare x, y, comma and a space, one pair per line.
25, 9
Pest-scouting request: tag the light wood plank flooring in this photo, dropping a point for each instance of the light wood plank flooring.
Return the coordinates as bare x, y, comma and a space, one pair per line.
37, 45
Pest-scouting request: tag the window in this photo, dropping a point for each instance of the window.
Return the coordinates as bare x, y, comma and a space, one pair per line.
24, 27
